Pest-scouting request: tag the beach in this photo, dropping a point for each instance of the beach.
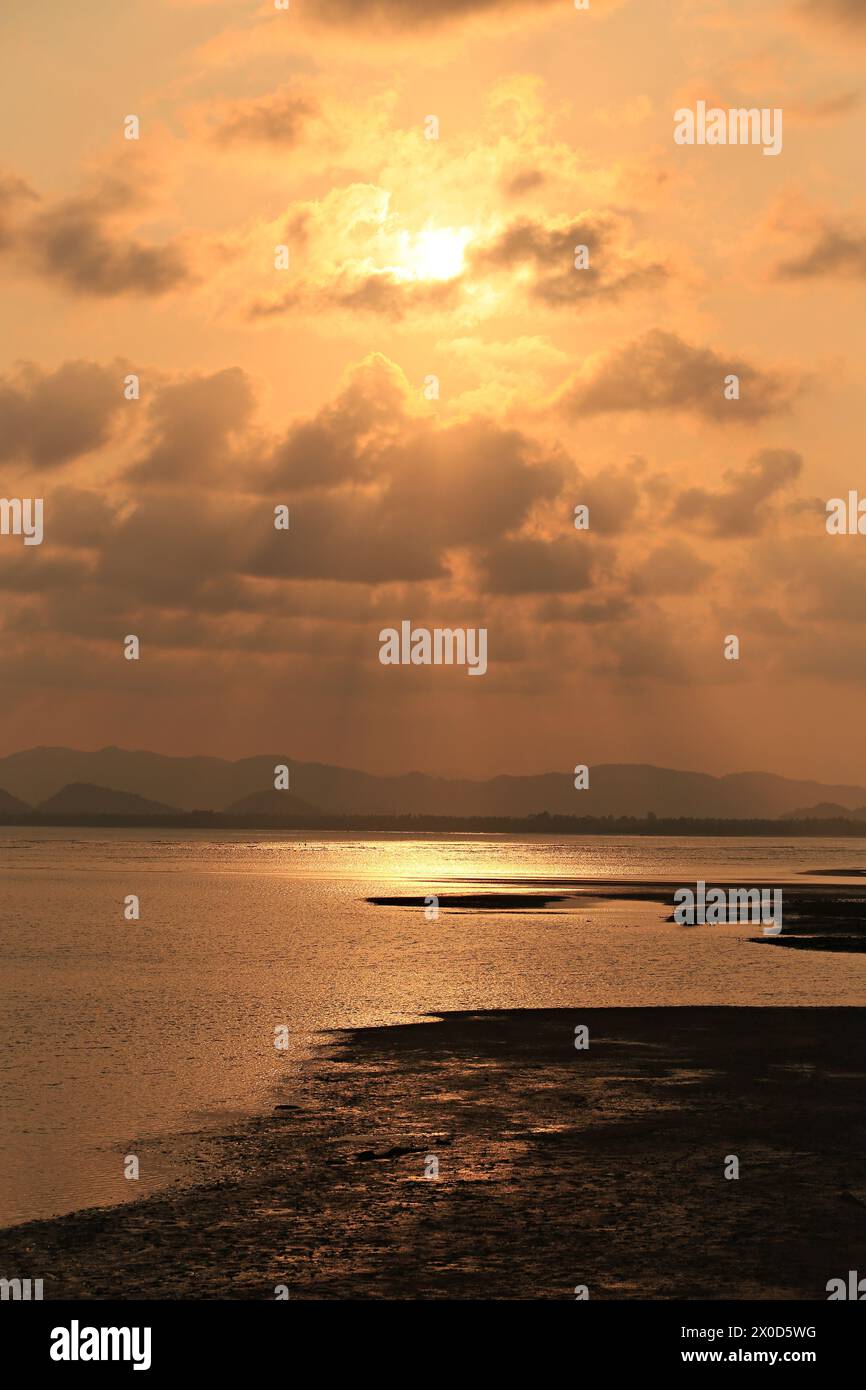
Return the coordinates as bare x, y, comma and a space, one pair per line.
559, 1169
156, 1037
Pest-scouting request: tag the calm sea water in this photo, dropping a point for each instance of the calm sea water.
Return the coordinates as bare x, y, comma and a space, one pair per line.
137, 1037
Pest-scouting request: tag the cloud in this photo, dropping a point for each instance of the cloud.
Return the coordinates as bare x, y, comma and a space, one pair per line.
500, 375
837, 250
381, 491
470, 482
193, 427
825, 108
612, 608
79, 517
343, 442
413, 14
13, 192
670, 568
24, 573
548, 249
452, 485
75, 519
847, 15
380, 292
644, 648
351, 251
800, 240
529, 565
393, 271
49, 418
520, 181
348, 538
743, 507
612, 495
281, 118
77, 242
821, 578
661, 372
396, 507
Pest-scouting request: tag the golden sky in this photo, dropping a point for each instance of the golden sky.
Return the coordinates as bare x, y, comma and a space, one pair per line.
411, 257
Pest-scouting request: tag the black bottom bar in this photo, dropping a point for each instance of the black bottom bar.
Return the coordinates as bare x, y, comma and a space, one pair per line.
255, 1338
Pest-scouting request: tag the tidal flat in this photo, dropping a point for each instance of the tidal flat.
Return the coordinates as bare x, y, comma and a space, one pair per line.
481, 1155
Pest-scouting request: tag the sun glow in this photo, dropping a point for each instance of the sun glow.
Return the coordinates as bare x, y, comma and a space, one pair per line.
432, 255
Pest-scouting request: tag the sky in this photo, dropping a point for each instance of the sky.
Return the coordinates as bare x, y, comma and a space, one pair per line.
340, 261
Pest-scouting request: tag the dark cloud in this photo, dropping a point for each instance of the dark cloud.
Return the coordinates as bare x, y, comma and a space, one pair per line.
342, 443
453, 485
743, 506
612, 608
613, 496
529, 565
37, 571
390, 509
836, 250
172, 550
821, 577
379, 493
348, 538
279, 119
549, 249
661, 372
522, 181
13, 193
48, 418
849, 15
468, 483
193, 427
75, 242
381, 293
672, 568
414, 14
184, 550
79, 517
644, 648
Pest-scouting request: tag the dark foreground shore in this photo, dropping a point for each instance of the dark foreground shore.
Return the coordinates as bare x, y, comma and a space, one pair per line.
556, 1168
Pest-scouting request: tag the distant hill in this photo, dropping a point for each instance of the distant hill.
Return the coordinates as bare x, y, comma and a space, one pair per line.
271, 803
83, 798
826, 810
10, 805
618, 789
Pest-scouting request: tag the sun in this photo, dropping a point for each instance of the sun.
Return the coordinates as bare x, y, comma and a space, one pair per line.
439, 255
432, 254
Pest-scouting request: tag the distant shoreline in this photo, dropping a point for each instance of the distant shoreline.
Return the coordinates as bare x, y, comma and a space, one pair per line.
541, 824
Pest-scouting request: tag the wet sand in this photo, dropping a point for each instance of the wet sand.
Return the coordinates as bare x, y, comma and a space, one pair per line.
817, 917
557, 1167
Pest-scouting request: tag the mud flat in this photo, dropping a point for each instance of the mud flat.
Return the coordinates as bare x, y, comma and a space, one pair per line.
817, 917
557, 1167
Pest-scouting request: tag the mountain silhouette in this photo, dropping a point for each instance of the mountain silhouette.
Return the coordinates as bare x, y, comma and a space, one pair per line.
10, 805
211, 784
826, 810
83, 798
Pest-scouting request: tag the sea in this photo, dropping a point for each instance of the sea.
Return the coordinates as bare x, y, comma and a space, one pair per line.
142, 1037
